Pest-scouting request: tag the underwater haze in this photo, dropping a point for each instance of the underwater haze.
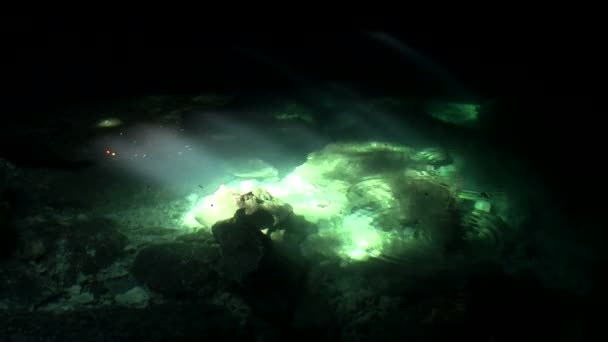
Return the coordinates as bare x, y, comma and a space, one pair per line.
346, 187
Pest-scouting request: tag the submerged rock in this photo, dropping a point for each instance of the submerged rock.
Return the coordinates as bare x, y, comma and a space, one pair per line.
260, 201
94, 245
241, 247
178, 269
136, 297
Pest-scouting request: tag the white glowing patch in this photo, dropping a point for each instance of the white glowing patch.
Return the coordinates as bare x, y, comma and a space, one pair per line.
360, 239
484, 206
362, 243
218, 206
358, 254
247, 186
192, 198
189, 220
296, 182
109, 123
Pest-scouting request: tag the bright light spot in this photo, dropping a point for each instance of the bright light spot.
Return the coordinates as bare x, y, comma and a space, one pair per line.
189, 220
109, 123
363, 244
360, 239
108, 151
113, 154
484, 206
247, 186
212, 208
361, 232
192, 198
296, 184
357, 254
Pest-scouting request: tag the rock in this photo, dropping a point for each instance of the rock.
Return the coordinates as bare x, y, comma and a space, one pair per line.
8, 235
261, 200
34, 250
74, 297
116, 270
95, 245
163, 322
136, 297
83, 298
234, 304
62, 254
224, 203
23, 287
178, 269
73, 290
432, 156
241, 246
430, 209
351, 162
113, 287
313, 312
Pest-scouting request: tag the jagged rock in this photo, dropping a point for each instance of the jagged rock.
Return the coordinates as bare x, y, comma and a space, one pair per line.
261, 200
223, 204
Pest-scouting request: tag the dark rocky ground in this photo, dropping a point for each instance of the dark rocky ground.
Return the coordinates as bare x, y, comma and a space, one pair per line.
71, 273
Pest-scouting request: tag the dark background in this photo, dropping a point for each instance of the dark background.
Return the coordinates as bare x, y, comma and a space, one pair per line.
59, 62
539, 77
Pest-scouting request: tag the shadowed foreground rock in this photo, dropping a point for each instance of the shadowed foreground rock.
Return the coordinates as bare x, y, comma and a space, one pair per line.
178, 269
166, 322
